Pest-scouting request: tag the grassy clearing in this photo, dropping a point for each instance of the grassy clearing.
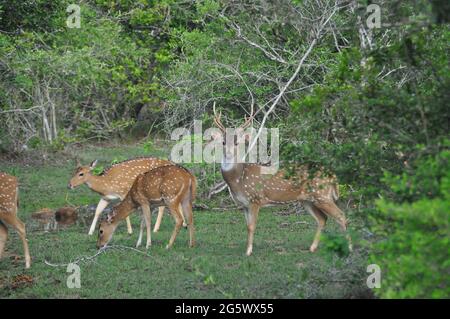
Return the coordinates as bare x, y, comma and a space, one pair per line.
281, 266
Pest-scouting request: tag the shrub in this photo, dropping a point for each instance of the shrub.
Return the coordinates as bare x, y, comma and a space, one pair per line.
414, 254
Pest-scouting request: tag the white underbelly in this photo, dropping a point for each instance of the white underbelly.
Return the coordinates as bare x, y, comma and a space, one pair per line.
112, 197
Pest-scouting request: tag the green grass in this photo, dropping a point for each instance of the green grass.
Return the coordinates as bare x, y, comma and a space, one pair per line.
281, 266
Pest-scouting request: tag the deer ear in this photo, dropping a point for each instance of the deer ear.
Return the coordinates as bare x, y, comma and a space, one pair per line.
109, 218
243, 135
93, 164
247, 137
216, 135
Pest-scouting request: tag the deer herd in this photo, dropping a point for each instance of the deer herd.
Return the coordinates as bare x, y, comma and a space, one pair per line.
142, 182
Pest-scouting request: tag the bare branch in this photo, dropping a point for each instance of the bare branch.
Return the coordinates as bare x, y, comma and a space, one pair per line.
288, 83
268, 54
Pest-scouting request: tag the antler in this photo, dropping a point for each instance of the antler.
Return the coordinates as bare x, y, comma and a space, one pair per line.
247, 123
217, 118
218, 122
248, 120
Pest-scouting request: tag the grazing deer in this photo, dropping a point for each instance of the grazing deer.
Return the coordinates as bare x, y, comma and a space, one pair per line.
172, 186
115, 182
9, 202
253, 190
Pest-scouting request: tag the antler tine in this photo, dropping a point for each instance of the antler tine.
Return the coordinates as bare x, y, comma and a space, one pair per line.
248, 121
217, 118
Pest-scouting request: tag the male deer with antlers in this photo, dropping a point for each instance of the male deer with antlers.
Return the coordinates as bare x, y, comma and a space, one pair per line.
9, 196
115, 182
172, 186
253, 190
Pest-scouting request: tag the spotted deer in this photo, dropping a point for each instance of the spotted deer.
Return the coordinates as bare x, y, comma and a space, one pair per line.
172, 186
252, 189
115, 182
9, 202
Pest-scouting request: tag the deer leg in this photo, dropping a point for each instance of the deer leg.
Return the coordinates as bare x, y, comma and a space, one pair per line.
174, 210
148, 223
332, 210
182, 215
141, 232
159, 219
3, 237
129, 229
100, 207
189, 218
321, 220
251, 216
19, 226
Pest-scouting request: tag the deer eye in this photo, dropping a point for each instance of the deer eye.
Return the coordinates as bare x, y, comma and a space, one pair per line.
81, 174
101, 231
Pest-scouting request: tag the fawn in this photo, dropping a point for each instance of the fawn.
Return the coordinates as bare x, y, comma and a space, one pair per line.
172, 186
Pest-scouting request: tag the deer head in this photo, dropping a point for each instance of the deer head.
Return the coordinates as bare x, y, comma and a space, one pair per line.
105, 232
82, 174
233, 139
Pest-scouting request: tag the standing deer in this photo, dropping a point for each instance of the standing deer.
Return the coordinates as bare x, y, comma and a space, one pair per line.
253, 190
115, 182
172, 186
9, 202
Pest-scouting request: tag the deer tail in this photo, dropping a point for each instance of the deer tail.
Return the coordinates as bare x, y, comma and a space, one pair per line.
17, 199
335, 192
193, 188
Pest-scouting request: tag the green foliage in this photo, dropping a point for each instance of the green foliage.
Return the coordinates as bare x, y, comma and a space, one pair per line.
414, 254
422, 180
92, 75
335, 243
148, 146
362, 127
98, 169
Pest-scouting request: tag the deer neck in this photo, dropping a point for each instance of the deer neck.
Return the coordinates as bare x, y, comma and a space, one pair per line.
123, 210
98, 184
232, 174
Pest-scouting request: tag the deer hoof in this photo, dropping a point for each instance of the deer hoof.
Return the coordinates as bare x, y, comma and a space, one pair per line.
313, 248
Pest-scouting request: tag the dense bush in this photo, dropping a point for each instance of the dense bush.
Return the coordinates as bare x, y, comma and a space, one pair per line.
414, 252
63, 84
